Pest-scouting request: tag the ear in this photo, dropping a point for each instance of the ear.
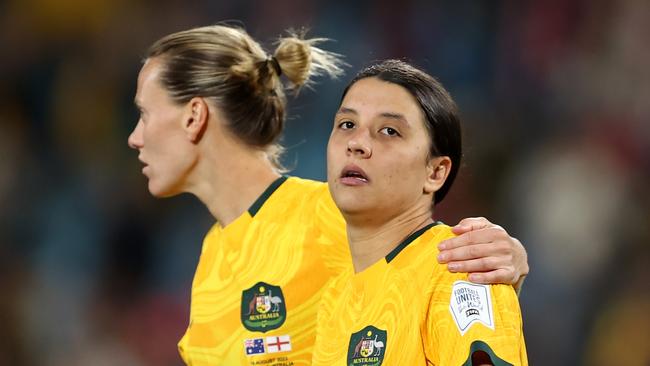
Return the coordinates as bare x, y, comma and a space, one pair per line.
438, 169
196, 120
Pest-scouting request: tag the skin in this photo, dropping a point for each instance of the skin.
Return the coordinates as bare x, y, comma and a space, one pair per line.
186, 148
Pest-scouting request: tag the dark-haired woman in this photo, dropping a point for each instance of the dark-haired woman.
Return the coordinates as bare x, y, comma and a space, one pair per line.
393, 154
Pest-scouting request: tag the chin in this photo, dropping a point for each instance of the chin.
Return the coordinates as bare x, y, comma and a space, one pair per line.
159, 191
350, 204
355, 215
154, 192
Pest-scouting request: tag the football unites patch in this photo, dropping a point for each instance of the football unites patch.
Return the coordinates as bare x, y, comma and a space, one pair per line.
263, 307
367, 347
471, 303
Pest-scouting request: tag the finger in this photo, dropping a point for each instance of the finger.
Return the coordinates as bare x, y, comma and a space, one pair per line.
501, 275
485, 264
470, 224
475, 251
482, 236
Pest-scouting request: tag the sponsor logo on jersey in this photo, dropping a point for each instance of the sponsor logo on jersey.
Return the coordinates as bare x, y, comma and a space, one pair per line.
471, 303
367, 347
263, 307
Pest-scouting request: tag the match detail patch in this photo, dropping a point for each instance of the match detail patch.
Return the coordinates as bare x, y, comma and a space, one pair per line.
471, 303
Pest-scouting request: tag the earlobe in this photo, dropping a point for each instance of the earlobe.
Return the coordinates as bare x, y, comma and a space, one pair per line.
197, 119
438, 170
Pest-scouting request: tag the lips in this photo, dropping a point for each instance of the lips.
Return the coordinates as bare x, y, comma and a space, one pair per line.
352, 175
145, 165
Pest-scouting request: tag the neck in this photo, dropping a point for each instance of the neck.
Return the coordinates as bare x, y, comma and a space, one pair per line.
370, 241
229, 186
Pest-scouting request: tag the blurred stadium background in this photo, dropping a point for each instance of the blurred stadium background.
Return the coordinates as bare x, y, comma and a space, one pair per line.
555, 97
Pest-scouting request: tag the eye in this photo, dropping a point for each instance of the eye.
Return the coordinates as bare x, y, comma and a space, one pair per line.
144, 114
389, 131
346, 125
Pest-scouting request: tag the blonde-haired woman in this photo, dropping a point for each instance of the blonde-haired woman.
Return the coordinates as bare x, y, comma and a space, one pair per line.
212, 107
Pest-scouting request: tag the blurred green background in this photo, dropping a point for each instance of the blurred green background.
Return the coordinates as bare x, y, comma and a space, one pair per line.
555, 99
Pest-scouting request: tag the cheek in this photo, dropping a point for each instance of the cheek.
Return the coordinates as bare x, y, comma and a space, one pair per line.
406, 170
167, 149
173, 168
178, 154
160, 136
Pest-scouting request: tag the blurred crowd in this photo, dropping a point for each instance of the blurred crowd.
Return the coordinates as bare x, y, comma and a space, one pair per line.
555, 99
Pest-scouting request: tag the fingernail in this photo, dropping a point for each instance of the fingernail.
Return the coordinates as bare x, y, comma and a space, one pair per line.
452, 266
442, 257
442, 246
474, 277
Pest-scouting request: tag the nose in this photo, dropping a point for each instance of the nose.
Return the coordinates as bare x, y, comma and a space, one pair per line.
135, 138
359, 145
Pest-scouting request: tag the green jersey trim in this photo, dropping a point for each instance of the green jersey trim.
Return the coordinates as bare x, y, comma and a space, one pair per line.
477, 346
257, 205
393, 253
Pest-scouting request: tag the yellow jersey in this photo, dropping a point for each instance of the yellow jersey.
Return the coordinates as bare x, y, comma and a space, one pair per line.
407, 309
259, 280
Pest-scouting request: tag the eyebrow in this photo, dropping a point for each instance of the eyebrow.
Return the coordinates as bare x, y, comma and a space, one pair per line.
397, 117
344, 110
390, 115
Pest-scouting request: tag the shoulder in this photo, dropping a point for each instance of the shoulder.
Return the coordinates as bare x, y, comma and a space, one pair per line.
435, 235
421, 249
464, 318
429, 240
295, 193
311, 195
306, 185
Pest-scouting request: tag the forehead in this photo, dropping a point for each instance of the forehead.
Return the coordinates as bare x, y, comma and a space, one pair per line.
374, 96
148, 77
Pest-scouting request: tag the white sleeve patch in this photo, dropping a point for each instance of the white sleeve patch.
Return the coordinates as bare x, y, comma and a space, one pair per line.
471, 303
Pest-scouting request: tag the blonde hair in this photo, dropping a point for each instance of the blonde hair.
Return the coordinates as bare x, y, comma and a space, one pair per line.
225, 65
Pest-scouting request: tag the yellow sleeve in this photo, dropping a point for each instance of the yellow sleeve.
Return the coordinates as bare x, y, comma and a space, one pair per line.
464, 318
